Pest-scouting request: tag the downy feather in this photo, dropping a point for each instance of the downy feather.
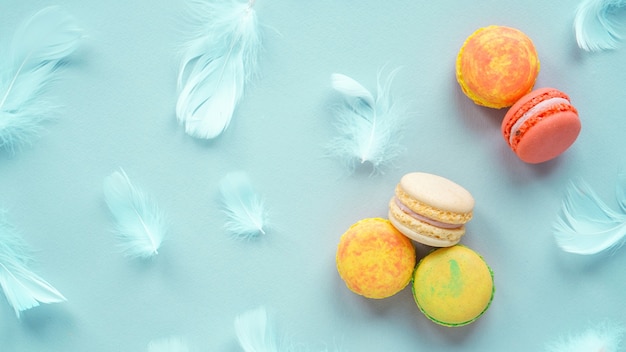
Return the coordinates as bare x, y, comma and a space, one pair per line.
586, 225
140, 224
217, 62
170, 344
244, 208
604, 337
22, 288
369, 129
39, 46
254, 332
595, 24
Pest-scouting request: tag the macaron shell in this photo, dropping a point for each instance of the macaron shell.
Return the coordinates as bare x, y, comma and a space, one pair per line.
549, 137
453, 286
496, 66
374, 259
445, 198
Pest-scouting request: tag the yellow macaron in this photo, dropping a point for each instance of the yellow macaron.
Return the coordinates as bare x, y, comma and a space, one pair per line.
453, 286
496, 66
374, 259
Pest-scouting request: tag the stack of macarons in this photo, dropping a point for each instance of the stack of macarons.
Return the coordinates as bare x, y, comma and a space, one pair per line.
452, 285
497, 67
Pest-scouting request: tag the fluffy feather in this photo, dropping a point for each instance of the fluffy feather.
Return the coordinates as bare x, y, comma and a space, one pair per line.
171, 344
254, 332
605, 337
586, 225
369, 128
39, 46
243, 207
217, 62
140, 223
22, 288
595, 26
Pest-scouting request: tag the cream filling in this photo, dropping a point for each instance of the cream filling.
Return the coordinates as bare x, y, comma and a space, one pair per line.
544, 105
416, 216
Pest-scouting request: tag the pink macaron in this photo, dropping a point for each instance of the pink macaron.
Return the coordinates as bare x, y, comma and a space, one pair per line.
541, 125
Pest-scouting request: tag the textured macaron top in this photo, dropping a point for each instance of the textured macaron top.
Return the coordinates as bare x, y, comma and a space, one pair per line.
453, 286
496, 66
374, 259
435, 197
541, 125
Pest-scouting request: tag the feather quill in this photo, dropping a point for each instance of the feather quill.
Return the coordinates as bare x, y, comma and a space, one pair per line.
605, 337
22, 288
244, 208
140, 224
369, 127
217, 62
39, 46
586, 225
170, 344
595, 25
254, 333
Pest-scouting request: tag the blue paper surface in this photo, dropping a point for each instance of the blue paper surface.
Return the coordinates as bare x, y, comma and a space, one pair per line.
119, 93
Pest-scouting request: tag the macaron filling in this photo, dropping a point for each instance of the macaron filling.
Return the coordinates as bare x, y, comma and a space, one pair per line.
535, 110
423, 218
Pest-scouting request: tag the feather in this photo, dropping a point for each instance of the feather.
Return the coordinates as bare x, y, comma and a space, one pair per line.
217, 62
604, 337
37, 50
243, 207
254, 333
140, 224
171, 344
595, 26
369, 128
22, 288
586, 225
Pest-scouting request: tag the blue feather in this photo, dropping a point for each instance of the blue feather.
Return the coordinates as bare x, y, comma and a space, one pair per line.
604, 337
595, 26
586, 225
243, 207
369, 128
217, 62
171, 344
38, 48
254, 333
140, 224
22, 288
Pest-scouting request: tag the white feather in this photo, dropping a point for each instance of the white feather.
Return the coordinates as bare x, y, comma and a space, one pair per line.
254, 333
22, 288
595, 25
586, 225
216, 64
170, 344
369, 129
140, 224
243, 207
604, 337
27, 66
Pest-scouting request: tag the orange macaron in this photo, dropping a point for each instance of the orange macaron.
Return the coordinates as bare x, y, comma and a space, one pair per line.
496, 66
374, 259
541, 125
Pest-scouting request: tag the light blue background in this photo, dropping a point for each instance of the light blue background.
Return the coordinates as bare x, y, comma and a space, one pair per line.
119, 95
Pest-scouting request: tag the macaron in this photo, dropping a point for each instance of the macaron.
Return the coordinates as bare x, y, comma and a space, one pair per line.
453, 286
430, 209
496, 66
374, 259
541, 125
